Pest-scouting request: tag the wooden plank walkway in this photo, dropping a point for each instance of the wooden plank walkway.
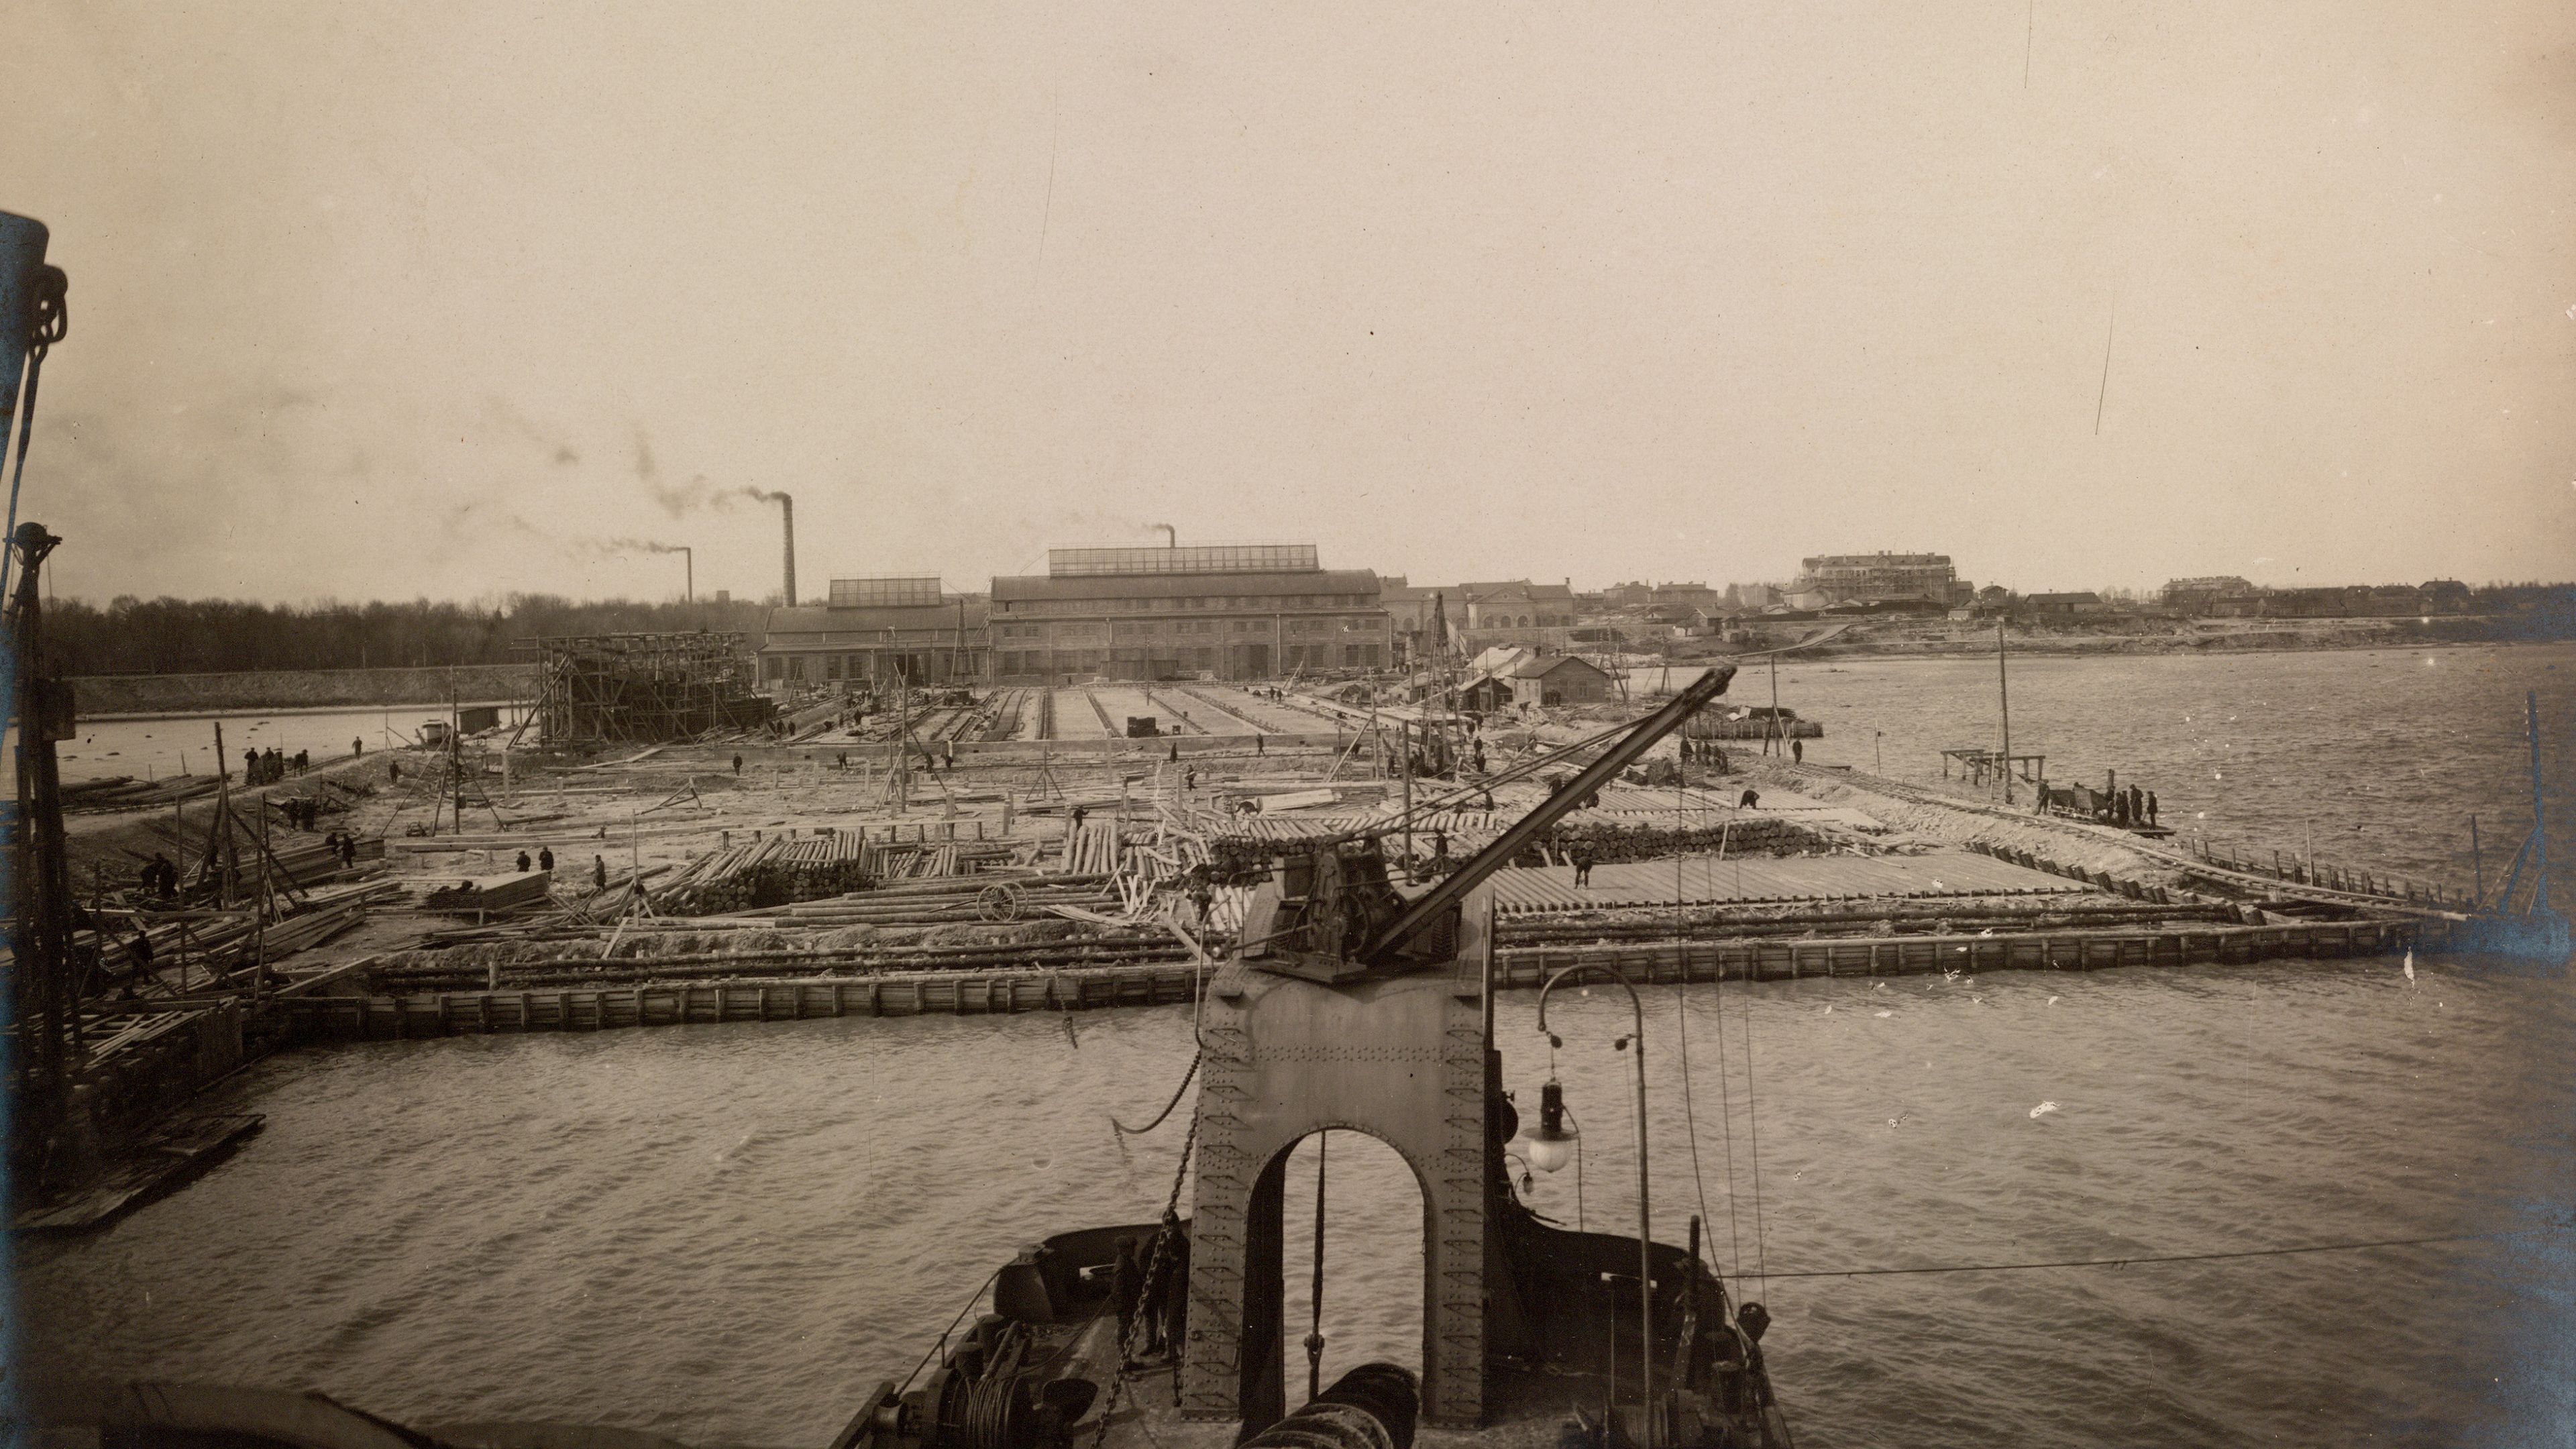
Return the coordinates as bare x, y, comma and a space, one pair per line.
168, 1155
1706, 880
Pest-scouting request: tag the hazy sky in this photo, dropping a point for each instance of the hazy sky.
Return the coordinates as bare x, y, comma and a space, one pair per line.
388, 300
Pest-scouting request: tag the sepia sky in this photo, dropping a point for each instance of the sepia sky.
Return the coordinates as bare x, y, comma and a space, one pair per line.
379, 300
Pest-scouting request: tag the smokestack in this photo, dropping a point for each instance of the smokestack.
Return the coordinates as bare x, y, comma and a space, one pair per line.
787, 518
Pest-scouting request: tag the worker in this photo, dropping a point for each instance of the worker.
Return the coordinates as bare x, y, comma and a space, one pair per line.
393, 774
1176, 751
2151, 807
2137, 805
250, 767
1798, 752
737, 767
1172, 1316
1256, 743
1079, 811
348, 850
357, 746
1583, 863
2120, 808
545, 857
1190, 778
1124, 1271
1749, 800
1480, 756
599, 872
1202, 898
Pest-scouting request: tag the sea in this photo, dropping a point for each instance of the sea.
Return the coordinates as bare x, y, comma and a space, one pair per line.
2125, 1204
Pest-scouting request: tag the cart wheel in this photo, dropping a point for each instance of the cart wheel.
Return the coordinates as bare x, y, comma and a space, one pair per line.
998, 903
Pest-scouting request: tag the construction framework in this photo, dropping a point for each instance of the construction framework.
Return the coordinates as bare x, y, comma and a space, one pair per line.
645, 688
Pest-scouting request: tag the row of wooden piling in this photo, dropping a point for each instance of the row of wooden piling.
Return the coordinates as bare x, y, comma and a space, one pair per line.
954, 993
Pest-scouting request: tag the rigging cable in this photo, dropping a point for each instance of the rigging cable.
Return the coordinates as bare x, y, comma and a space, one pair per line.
1725, 1102
2124, 1262
1753, 1128
1690, 1117
1159, 1117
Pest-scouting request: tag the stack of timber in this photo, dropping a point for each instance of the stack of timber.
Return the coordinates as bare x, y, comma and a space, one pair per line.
780, 870
124, 792
491, 894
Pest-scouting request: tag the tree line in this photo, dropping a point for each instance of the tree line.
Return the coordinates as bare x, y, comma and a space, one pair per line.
207, 636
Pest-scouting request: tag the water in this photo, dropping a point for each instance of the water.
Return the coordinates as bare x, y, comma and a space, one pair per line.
153, 749
730, 1233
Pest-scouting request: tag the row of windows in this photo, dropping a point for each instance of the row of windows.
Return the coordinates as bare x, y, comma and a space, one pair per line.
1159, 628
1169, 605
1522, 621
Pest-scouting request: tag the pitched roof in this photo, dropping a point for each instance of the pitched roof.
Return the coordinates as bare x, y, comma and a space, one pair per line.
1516, 589
1547, 664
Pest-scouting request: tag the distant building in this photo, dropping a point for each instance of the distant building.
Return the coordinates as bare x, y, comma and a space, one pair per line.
1229, 611
2445, 596
1692, 596
1628, 596
1559, 679
1849, 577
1509, 675
2061, 606
2217, 594
1513, 611
880, 628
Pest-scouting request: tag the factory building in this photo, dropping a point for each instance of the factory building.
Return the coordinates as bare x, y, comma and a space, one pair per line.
1855, 577
1222, 611
878, 628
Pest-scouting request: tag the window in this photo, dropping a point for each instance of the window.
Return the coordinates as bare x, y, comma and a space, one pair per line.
1368, 654
796, 667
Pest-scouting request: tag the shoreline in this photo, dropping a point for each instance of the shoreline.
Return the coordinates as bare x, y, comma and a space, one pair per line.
2052, 645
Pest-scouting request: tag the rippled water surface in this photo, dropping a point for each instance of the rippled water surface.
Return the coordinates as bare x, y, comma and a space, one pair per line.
730, 1233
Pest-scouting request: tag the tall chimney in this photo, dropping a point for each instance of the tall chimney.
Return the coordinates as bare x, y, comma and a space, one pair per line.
787, 517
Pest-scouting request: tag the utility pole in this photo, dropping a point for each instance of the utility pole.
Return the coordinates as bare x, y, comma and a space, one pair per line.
1773, 732
2003, 688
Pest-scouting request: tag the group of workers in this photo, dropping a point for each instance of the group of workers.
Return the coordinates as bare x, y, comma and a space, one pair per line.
2132, 806
545, 859
271, 766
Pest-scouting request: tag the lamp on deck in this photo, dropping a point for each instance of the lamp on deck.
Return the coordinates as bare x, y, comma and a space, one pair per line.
1553, 1137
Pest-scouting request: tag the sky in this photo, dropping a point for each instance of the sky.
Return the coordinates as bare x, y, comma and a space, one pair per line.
457, 300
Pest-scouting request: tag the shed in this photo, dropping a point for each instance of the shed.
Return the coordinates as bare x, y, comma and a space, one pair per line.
1558, 679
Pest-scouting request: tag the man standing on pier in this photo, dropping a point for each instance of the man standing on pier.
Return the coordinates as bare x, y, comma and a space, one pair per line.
2151, 807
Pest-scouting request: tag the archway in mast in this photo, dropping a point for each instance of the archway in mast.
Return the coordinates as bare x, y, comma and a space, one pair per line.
1375, 1282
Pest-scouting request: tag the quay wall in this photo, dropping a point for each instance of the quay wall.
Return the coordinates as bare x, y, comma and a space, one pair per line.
98, 696
973, 993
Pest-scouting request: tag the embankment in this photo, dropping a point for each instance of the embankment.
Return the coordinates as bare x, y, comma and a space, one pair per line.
101, 695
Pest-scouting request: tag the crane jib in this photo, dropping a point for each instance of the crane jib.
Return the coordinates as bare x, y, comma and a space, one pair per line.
1555, 807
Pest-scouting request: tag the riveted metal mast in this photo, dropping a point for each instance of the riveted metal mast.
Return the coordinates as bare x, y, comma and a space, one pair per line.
1556, 807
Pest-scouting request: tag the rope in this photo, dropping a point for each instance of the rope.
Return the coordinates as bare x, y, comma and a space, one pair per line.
1726, 1116
2172, 1257
971, 1300
1690, 1117
1126, 1130
1753, 1128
